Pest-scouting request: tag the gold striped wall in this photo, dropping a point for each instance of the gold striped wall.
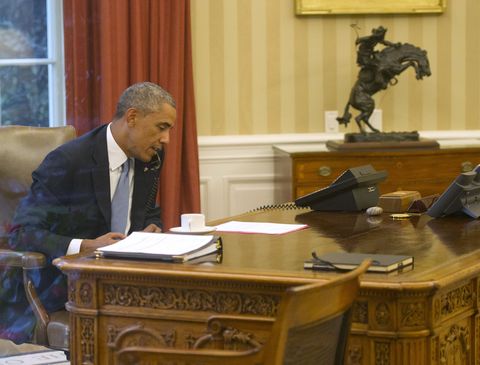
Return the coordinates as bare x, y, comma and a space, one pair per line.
260, 69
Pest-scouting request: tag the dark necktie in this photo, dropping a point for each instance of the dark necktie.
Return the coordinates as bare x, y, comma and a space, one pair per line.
120, 201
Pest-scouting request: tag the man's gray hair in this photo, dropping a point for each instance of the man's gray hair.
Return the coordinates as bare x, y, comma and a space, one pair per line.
146, 97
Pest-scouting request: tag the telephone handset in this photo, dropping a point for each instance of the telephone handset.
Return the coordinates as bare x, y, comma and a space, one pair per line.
155, 163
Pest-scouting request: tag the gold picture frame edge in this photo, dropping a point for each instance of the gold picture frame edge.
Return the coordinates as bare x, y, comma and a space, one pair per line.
349, 7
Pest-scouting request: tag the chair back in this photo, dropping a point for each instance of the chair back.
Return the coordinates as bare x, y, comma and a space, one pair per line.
313, 322
21, 151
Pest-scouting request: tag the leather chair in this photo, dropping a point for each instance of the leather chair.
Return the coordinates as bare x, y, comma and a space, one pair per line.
311, 327
21, 151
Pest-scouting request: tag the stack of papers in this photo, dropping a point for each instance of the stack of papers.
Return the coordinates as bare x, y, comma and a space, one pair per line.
162, 246
258, 227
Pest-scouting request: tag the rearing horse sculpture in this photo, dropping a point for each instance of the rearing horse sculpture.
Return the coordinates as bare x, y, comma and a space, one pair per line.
380, 72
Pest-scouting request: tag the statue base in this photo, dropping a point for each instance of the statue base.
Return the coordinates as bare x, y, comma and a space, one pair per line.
381, 137
382, 141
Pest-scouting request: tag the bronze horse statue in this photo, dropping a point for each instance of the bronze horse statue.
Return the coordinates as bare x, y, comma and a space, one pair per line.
380, 72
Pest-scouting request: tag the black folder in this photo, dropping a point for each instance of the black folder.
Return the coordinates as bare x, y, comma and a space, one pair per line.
349, 261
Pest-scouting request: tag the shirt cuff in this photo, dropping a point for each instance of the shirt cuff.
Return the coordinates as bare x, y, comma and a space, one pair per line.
74, 246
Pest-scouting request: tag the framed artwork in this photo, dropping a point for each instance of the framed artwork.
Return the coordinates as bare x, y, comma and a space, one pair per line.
335, 7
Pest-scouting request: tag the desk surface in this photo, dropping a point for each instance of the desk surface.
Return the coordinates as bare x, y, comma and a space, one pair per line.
442, 248
432, 309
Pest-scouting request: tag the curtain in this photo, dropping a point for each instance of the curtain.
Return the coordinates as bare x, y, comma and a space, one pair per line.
111, 44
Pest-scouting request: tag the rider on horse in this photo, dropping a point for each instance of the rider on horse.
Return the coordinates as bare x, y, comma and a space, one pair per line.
378, 69
366, 46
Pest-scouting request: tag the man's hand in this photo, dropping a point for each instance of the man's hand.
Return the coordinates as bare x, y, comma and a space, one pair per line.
106, 239
152, 228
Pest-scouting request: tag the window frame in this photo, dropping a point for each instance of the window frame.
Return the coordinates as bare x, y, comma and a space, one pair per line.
54, 61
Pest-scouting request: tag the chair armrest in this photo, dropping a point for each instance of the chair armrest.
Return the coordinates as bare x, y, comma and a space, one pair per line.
25, 260
135, 354
28, 261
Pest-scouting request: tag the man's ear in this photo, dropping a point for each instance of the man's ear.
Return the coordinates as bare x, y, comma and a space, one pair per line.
131, 116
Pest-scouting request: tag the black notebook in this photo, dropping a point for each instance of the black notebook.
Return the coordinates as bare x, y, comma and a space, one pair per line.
349, 261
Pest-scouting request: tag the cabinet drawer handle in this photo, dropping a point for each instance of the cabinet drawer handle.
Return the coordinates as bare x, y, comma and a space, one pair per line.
325, 171
466, 166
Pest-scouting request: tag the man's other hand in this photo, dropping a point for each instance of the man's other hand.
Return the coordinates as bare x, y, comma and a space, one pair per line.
152, 228
106, 239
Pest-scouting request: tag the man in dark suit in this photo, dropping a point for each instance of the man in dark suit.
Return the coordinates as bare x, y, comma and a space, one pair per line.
69, 206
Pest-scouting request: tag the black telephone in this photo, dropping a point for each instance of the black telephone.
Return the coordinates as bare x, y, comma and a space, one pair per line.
155, 163
355, 189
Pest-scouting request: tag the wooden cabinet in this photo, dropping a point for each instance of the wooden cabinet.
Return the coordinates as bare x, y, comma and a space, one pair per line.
301, 170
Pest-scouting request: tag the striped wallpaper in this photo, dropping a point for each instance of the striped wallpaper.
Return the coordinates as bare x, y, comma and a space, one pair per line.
260, 69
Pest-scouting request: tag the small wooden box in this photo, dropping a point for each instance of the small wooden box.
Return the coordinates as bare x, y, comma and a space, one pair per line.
398, 201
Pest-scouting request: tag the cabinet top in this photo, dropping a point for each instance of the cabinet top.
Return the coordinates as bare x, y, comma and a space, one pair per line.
467, 145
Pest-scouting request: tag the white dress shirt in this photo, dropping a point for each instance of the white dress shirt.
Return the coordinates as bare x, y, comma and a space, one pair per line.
116, 158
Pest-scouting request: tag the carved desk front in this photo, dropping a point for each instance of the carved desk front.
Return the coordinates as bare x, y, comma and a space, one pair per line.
428, 315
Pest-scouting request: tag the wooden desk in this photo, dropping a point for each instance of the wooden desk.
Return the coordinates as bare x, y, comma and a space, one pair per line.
303, 169
425, 316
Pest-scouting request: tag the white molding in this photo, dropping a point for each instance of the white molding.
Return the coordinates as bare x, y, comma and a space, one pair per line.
459, 134
205, 183
251, 182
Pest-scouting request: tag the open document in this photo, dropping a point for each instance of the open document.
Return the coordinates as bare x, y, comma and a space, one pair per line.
162, 246
259, 227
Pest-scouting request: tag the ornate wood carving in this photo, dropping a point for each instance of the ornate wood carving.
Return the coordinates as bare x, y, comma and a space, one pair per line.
354, 356
71, 291
190, 341
412, 314
382, 314
478, 292
87, 339
170, 338
229, 337
139, 335
477, 340
85, 293
112, 333
434, 350
454, 346
360, 312
453, 301
191, 300
382, 353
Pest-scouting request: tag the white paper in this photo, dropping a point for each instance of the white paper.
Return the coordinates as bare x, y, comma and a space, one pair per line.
158, 243
37, 358
259, 227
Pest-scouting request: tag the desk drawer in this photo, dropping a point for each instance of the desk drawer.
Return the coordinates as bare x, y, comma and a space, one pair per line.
429, 173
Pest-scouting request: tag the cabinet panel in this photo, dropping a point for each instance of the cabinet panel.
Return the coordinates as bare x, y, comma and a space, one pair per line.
427, 171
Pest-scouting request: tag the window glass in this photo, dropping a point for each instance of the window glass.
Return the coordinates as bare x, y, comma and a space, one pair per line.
24, 95
23, 29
